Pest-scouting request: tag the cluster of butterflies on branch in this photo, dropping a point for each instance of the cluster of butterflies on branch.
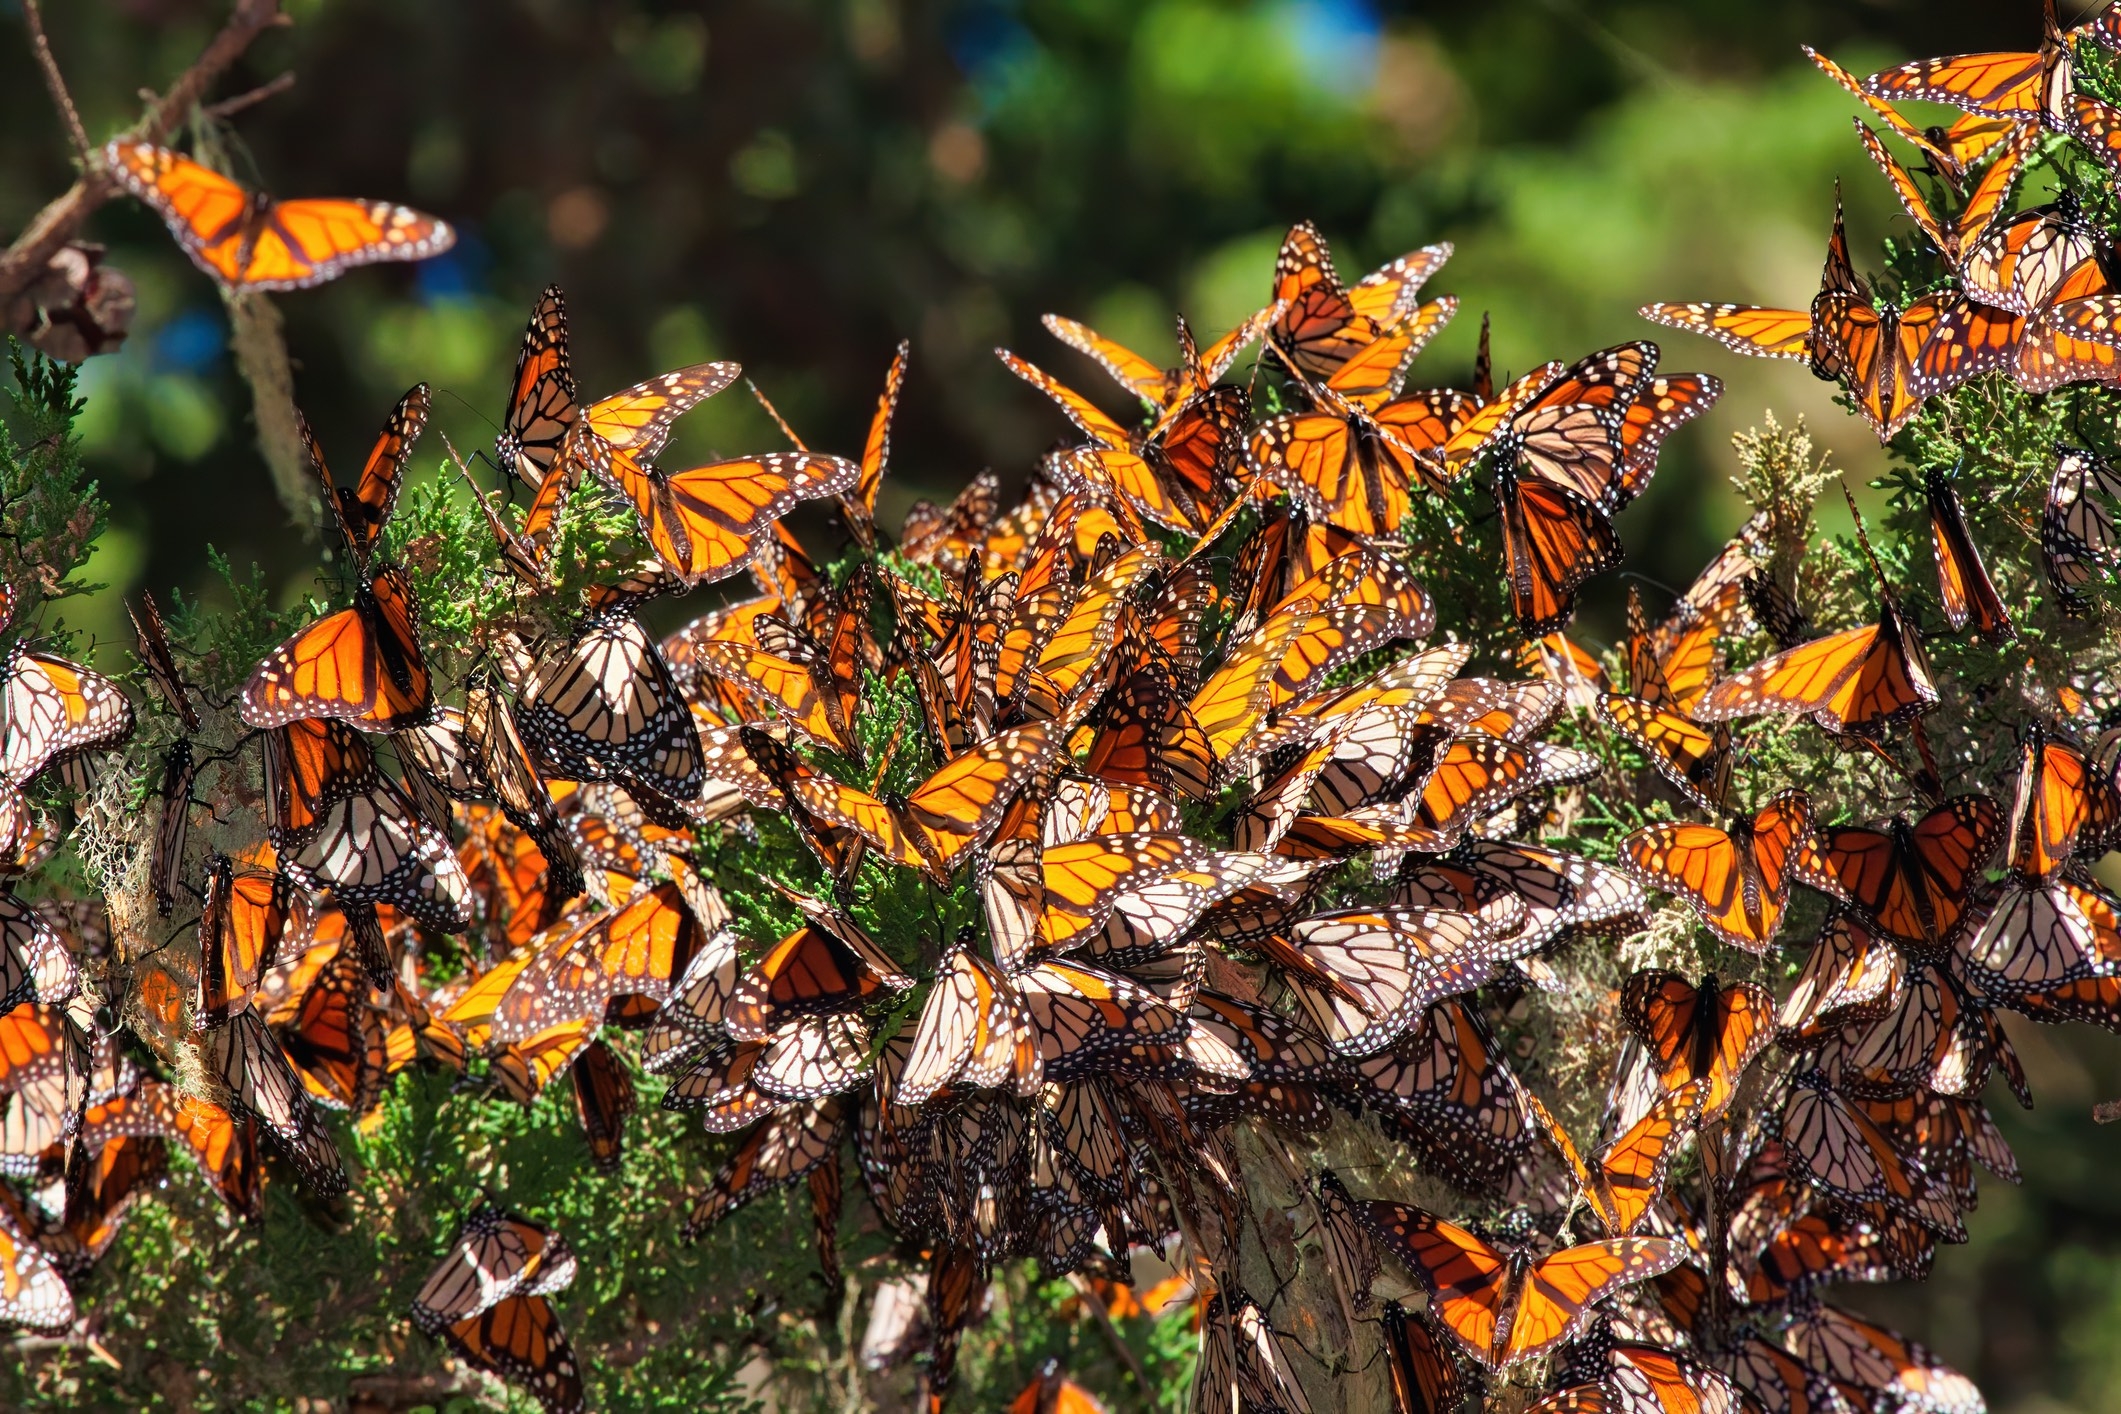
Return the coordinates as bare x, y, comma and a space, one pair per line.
1208, 850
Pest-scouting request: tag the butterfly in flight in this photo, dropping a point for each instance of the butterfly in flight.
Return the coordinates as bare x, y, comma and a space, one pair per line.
247, 240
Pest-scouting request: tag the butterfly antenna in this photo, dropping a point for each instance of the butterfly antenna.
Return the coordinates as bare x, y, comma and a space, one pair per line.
1484, 365
775, 413
474, 411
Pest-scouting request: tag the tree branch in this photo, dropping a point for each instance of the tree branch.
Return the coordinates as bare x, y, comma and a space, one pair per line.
56, 224
61, 99
263, 91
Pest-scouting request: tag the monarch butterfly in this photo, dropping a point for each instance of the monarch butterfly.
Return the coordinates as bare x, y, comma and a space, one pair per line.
247, 240
1560, 479
783, 1148
1628, 1179
1737, 881
1321, 326
1085, 1020
335, 1040
703, 523
339, 824
1166, 388
32, 1292
541, 396
1861, 681
1937, 151
942, 535
828, 965
1350, 1259
246, 913
2033, 938
1558, 892
504, 763
1893, 359
607, 707
2020, 86
1851, 976
974, 1031
1051, 1392
1149, 735
1766, 332
1114, 462
1869, 1362
635, 950
1696, 760
245, 1059
603, 1097
2021, 264
1837, 1246
1834, 1145
1389, 966
1962, 580
53, 712
1957, 239
1912, 881
1506, 1307
951, 813
1703, 1033
1445, 1089
1425, 1374
2065, 805
35, 963
2080, 542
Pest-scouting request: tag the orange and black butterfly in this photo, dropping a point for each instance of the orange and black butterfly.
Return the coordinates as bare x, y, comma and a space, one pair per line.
1912, 882
2066, 805
1323, 327
1695, 759
1627, 1180
2080, 540
504, 764
1699, 1033
541, 397
1504, 1307
1737, 881
704, 523
1939, 150
338, 823
1446, 1089
607, 707
244, 1057
2026, 87
364, 664
1894, 358
1958, 238
1963, 584
1560, 478
1758, 330
247, 240
1860, 681
487, 1298
240, 927
1425, 1374
53, 713
603, 1097
1832, 1144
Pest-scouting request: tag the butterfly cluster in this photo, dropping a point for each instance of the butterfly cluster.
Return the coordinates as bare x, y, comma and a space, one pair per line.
1049, 866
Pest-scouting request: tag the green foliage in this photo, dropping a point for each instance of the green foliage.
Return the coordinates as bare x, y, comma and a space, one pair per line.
51, 512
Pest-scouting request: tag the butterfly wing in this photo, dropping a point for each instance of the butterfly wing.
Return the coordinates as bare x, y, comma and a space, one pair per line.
541, 397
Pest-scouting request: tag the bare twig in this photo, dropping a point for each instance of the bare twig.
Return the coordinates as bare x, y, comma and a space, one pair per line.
56, 224
64, 101
1095, 1304
230, 106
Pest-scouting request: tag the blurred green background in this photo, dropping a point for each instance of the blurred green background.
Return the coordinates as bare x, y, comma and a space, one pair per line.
798, 184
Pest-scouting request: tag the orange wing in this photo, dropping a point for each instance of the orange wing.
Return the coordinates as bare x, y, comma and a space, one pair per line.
520, 1340
1861, 680
1737, 882
361, 665
1560, 1294
1468, 1281
1697, 760
1554, 540
1748, 328
541, 399
1709, 1034
250, 241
